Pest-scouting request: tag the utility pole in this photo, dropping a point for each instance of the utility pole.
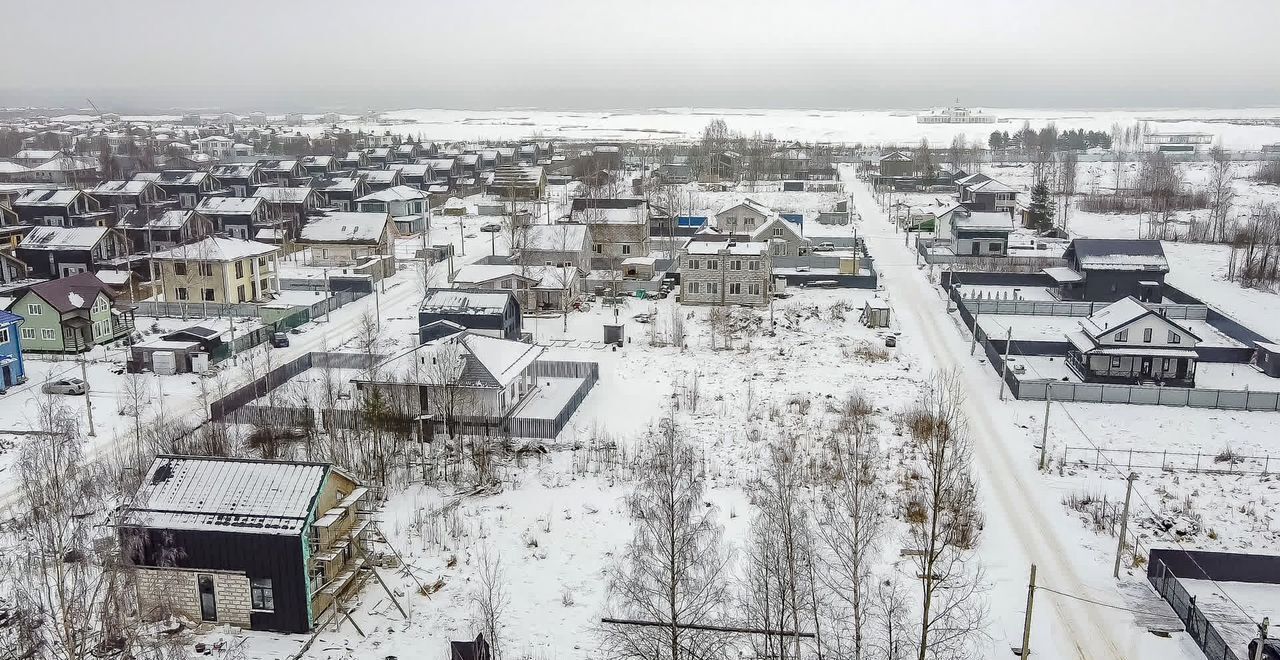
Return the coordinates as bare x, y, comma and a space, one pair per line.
1262, 638
328, 292
1124, 522
1044, 434
462, 238
1025, 651
973, 341
88, 404
1004, 366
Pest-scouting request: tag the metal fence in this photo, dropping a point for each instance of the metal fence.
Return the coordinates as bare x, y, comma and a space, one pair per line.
1066, 308
1167, 565
1151, 395
1219, 462
240, 397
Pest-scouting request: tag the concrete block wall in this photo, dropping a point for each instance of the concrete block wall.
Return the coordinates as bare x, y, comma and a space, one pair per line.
163, 590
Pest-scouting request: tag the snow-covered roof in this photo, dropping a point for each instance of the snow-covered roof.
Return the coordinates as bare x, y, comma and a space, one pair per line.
321, 161
216, 248
380, 176
481, 273
213, 494
635, 215
983, 221
410, 169
234, 170
284, 194
503, 359
12, 168
896, 156
63, 238
47, 197
1062, 274
345, 227
457, 301
394, 194
765, 231
438, 163
115, 277
991, 186
555, 238
463, 359
174, 177
277, 166
750, 204
337, 184
229, 205
67, 163
37, 154
134, 187
173, 219
744, 248
1118, 313
1118, 254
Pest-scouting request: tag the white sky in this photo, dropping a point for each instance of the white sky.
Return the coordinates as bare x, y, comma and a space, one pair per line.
583, 54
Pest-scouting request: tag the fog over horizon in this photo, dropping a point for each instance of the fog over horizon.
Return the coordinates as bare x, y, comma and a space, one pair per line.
149, 56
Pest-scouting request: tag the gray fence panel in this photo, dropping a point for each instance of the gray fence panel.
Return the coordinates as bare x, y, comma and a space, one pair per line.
1262, 401
1232, 399
1173, 396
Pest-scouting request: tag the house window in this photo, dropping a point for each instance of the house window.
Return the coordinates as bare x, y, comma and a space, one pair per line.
240, 293
1146, 335
206, 295
48, 333
753, 265
598, 248
1115, 363
1164, 364
995, 247
260, 592
713, 287
4, 335
693, 264
1123, 335
626, 249
239, 269
35, 309
1174, 338
693, 287
713, 264
180, 292
206, 269
735, 288
750, 223
179, 268
753, 289
777, 231
28, 333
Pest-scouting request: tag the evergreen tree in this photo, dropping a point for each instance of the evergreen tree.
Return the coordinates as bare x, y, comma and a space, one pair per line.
1041, 210
995, 141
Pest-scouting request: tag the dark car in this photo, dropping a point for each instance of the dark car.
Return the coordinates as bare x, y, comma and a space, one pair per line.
491, 227
279, 339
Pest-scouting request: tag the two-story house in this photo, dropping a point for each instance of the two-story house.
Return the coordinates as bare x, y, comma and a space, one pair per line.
51, 252
406, 204
1109, 269
164, 230
783, 237
381, 179
1129, 342
743, 217
725, 272
217, 270
619, 229
554, 245
320, 166
216, 147
347, 238
240, 178
341, 192
124, 197
239, 217
69, 315
981, 193
257, 544
186, 186
896, 164
354, 160
290, 206
13, 370
282, 173
61, 207
974, 233
492, 312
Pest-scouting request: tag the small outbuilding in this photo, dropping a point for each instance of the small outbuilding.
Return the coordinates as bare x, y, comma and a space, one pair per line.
1267, 358
875, 313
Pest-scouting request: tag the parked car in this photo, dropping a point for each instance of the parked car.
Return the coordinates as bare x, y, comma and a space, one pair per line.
279, 340
825, 247
491, 227
65, 386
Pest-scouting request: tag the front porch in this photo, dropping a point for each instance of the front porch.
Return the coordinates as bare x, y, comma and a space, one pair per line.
1155, 366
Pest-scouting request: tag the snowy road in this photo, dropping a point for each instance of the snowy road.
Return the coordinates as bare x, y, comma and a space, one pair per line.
1025, 524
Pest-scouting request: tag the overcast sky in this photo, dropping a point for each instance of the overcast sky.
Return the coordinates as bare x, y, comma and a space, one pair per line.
279, 55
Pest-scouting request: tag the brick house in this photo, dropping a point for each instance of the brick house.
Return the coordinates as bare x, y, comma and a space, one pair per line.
717, 272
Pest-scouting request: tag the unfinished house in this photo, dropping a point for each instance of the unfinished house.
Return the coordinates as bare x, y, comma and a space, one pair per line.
257, 544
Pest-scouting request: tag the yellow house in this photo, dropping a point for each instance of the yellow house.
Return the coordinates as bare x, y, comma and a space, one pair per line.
218, 270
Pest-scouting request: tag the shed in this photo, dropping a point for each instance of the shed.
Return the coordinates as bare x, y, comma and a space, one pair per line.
142, 354
875, 313
1267, 358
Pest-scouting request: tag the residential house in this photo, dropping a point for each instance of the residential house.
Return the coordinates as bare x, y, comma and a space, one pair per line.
405, 153
1110, 269
291, 206
791, 163
491, 312
13, 370
52, 252
468, 164
745, 216
126, 196
240, 217
487, 377
341, 192
60, 207
783, 237
674, 173
240, 178
720, 272
378, 156
34, 157
186, 186
216, 269
320, 166
282, 173
347, 238
1128, 342
250, 543
406, 204
897, 164
546, 287
13, 270
381, 179
554, 245
441, 171
147, 233
354, 160
69, 315
413, 174
70, 170
974, 233
978, 192
619, 228
214, 146
517, 182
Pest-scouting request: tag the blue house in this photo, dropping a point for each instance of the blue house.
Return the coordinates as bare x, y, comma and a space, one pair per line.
12, 370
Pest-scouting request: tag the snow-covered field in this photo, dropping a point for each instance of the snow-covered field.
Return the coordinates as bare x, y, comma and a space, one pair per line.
850, 126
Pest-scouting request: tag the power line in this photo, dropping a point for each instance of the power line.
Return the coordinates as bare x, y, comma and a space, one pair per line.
1154, 615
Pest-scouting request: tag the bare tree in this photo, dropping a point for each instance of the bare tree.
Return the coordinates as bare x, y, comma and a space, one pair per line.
944, 523
851, 525
1221, 194
489, 597
674, 571
1068, 166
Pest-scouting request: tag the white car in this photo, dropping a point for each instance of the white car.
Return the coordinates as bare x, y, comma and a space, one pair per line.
65, 386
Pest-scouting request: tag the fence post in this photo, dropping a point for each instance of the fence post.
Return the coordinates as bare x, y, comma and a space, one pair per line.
1097, 458
1163, 455
1197, 470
